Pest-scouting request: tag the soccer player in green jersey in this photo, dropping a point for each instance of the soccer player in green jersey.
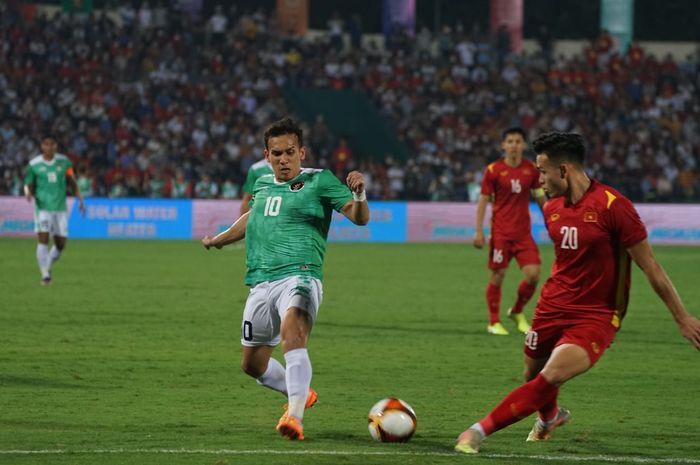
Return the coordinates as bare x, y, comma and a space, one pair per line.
285, 233
47, 176
257, 169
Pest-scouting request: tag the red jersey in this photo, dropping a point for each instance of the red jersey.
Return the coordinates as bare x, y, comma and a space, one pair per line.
510, 187
590, 276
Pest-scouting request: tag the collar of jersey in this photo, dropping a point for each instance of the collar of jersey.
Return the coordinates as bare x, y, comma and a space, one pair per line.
279, 183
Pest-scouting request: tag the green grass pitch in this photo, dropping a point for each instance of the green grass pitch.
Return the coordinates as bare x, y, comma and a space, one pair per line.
131, 357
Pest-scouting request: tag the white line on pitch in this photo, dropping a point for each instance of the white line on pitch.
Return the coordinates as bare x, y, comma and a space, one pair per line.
570, 458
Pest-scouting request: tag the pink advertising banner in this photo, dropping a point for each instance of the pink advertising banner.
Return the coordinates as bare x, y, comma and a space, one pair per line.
213, 216
442, 222
17, 216
672, 223
455, 222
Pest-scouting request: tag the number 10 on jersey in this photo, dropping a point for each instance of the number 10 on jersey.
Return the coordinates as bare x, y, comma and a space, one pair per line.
272, 206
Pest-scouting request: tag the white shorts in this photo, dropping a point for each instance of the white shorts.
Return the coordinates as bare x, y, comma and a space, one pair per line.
54, 223
269, 300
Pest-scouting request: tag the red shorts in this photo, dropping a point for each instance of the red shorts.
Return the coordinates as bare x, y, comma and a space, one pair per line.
595, 336
502, 250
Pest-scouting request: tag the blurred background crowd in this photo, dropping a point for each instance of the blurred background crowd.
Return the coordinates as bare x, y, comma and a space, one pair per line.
157, 102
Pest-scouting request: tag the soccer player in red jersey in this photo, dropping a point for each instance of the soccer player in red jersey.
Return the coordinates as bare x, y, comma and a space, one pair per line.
595, 231
509, 182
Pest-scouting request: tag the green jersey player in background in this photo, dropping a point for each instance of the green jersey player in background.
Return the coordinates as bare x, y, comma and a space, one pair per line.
46, 180
285, 232
257, 169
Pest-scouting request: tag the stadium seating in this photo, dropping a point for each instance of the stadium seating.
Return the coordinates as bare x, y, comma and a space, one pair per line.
141, 102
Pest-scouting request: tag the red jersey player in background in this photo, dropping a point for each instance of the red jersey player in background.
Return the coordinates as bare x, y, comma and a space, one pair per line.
595, 231
508, 182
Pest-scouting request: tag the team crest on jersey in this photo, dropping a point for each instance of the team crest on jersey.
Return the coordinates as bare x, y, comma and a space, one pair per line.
296, 186
554, 217
590, 217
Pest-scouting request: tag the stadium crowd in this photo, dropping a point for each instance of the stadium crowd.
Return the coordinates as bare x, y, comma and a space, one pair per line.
162, 103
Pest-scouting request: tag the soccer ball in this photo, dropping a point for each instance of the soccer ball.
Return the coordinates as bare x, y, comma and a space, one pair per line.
392, 420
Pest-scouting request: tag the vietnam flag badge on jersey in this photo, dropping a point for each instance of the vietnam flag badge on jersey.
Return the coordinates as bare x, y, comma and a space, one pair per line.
590, 217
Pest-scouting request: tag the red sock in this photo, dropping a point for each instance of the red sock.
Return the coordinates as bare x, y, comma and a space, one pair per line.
548, 411
519, 404
525, 291
493, 300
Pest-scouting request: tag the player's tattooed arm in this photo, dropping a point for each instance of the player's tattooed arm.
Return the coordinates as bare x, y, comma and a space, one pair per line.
234, 233
357, 209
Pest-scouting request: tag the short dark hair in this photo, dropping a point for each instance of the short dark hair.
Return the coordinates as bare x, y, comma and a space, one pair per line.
47, 136
561, 146
513, 130
282, 127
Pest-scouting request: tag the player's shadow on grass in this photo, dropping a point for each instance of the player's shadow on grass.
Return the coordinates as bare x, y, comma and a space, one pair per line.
341, 436
7, 380
417, 444
422, 330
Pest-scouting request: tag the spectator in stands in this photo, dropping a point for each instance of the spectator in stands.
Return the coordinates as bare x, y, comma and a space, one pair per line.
342, 158
180, 187
86, 183
503, 44
335, 31
206, 188
230, 190
354, 28
154, 186
217, 25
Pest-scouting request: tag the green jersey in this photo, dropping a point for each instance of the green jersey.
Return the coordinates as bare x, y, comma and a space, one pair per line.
49, 181
155, 188
229, 190
258, 169
85, 186
288, 225
180, 189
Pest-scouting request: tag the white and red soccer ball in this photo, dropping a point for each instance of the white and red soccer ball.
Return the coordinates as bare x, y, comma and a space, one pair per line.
392, 420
